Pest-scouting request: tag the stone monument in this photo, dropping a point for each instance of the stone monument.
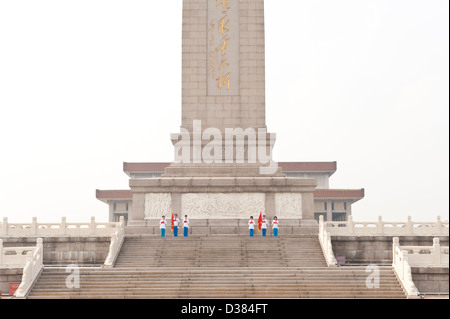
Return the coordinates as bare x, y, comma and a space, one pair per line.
223, 166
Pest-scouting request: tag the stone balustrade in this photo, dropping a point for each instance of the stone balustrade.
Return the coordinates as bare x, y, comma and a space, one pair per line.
406, 257
427, 256
14, 257
33, 267
403, 269
62, 229
382, 228
116, 244
325, 243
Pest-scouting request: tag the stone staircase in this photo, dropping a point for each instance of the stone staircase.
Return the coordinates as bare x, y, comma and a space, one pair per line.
221, 251
218, 267
218, 282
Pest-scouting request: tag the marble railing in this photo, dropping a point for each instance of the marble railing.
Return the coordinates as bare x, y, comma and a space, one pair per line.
403, 269
31, 262
35, 229
382, 228
325, 243
14, 257
117, 239
405, 257
427, 256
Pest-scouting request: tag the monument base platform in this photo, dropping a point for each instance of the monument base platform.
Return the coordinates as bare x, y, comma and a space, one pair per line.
221, 198
219, 170
237, 227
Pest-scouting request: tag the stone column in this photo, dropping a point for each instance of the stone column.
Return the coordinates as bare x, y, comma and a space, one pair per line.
308, 206
111, 211
329, 211
270, 205
137, 215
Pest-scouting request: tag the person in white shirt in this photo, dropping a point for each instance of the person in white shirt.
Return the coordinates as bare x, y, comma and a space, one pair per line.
264, 226
176, 222
186, 226
251, 226
162, 226
275, 226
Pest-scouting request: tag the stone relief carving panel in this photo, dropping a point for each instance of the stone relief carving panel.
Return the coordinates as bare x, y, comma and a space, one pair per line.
288, 205
157, 205
215, 206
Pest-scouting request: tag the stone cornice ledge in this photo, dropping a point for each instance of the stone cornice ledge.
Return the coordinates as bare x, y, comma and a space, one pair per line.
222, 185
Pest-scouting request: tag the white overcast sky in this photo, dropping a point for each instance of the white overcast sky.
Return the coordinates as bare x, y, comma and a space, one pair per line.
86, 85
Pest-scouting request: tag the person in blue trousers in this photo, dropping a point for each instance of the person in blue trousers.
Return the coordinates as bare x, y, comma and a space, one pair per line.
264, 226
275, 226
176, 222
162, 226
251, 226
185, 226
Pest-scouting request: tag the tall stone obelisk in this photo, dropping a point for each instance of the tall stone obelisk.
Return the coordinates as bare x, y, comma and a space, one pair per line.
223, 63
223, 167
223, 88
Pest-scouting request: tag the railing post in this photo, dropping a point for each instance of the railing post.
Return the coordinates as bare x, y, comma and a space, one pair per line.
40, 250
63, 226
439, 225
396, 243
380, 225
34, 226
437, 251
92, 226
351, 225
40, 243
409, 226
4, 230
1, 252
405, 259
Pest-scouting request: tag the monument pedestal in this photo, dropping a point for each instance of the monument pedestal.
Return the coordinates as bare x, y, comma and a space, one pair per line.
222, 198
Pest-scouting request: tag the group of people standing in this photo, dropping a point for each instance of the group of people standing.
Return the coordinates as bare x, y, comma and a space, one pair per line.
262, 225
174, 225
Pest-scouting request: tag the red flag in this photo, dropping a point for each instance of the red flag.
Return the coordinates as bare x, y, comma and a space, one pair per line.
172, 223
260, 222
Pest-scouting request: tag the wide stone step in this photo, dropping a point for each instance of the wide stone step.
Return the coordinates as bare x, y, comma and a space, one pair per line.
218, 280
230, 296
232, 271
255, 280
224, 294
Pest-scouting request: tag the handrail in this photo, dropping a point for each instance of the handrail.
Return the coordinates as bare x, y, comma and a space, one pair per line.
325, 243
14, 257
64, 228
31, 271
402, 268
383, 228
427, 256
116, 244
